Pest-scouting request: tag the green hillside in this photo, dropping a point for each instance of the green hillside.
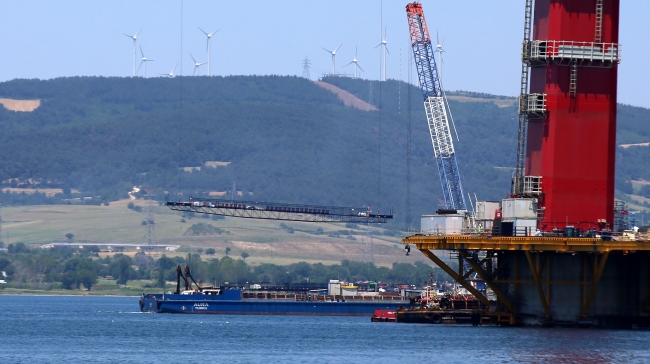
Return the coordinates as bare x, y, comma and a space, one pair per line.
285, 138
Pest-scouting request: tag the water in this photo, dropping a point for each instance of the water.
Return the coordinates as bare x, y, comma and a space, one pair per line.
110, 329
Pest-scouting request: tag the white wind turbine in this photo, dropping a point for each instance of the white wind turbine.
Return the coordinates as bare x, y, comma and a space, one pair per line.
134, 37
384, 43
356, 63
444, 94
170, 74
196, 66
333, 58
209, 35
144, 60
440, 51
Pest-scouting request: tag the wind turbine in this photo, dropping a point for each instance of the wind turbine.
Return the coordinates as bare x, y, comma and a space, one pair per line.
356, 63
384, 43
144, 60
207, 48
170, 74
196, 65
134, 37
440, 51
333, 58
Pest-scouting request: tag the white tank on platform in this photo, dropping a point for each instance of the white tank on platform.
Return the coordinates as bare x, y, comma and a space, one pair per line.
447, 224
518, 208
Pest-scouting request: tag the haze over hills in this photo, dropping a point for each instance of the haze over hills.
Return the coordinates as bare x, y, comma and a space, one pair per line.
282, 139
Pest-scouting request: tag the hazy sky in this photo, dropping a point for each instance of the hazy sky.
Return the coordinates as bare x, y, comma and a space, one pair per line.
47, 39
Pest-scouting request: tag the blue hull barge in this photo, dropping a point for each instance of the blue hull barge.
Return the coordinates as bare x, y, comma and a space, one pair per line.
211, 300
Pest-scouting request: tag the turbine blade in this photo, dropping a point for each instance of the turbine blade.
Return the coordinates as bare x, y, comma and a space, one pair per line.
387, 50
130, 36
141, 62
327, 50
172, 72
204, 32
360, 67
337, 48
437, 38
136, 34
211, 34
192, 58
141, 52
348, 64
379, 45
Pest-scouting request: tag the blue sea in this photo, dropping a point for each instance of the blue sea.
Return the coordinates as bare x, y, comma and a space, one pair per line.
37, 329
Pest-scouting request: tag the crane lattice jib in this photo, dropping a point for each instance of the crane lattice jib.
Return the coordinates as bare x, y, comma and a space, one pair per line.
434, 106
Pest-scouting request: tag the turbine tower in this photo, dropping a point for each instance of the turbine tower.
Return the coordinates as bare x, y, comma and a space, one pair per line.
333, 53
384, 45
356, 63
196, 66
134, 37
207, 48
144, 60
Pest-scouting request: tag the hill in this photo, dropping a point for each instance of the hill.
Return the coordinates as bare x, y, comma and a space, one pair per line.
284, 139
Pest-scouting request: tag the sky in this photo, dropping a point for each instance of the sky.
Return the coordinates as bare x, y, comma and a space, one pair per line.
482, 39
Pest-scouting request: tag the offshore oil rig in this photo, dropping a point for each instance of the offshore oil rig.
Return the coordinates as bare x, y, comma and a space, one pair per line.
554, 252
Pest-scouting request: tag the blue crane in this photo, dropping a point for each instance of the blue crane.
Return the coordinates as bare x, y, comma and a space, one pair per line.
434, 106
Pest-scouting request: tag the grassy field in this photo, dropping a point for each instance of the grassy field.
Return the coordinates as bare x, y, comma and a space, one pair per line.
264, 240
104, 287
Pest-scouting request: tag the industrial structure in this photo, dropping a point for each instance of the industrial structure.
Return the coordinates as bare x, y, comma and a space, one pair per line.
277, 211
435, 108
570, 56
549, 252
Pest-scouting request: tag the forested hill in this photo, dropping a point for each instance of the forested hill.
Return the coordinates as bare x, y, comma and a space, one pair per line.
282, 139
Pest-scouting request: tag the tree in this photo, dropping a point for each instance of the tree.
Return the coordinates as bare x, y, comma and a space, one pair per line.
244, 255
210, 251
69, 236
87, 277
228, 250
199, 250
121, 269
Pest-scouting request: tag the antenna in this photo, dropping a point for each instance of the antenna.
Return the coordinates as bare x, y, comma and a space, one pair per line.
134, 37
207, 47
356, 63
197, 66
306, 65
144, 60
333, 53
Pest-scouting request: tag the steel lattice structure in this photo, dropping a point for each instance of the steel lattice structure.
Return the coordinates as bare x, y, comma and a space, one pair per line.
276, 211
434, 106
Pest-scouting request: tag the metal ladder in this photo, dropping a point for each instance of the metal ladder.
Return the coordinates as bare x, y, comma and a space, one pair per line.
573, 84
518, 182
599, 22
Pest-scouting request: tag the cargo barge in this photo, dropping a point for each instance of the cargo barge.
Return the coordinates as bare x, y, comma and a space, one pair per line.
238, 301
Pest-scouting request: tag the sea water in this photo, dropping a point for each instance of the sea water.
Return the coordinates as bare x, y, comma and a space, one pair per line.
42, 329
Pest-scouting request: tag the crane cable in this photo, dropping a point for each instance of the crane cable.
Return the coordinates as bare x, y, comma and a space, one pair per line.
180, 118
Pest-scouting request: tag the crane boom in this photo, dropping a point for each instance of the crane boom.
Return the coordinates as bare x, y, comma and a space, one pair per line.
434, 107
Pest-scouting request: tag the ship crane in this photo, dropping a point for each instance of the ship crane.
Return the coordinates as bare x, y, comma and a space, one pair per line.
434, 106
